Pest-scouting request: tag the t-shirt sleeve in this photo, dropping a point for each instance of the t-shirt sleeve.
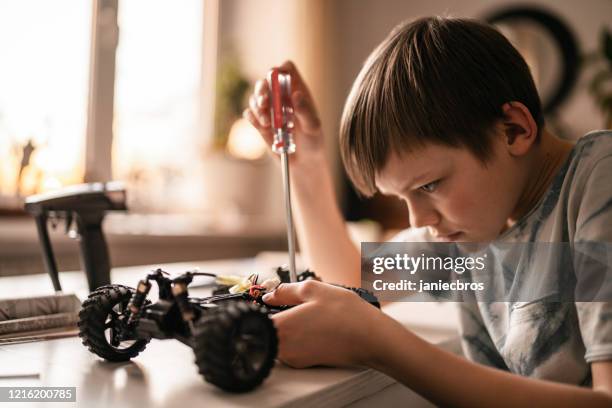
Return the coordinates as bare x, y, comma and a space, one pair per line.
592, 257
594, 210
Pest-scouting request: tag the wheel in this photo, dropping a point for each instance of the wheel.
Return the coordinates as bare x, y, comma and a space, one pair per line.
102, 318
235, 346
111, 286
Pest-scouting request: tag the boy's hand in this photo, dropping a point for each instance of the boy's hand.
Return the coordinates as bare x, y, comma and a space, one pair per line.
330, 325
308, 135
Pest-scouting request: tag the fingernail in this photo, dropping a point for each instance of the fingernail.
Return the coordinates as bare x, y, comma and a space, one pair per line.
266, 297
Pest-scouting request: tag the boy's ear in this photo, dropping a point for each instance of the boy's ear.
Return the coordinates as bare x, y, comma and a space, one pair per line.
519, 127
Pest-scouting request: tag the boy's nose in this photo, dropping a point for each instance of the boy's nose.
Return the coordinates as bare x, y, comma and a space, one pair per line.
421, 216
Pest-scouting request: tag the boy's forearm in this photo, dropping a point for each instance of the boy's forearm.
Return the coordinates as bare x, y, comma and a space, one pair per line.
323, 237
450, 380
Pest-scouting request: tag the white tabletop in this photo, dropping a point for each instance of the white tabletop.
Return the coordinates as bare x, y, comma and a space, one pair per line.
164, 375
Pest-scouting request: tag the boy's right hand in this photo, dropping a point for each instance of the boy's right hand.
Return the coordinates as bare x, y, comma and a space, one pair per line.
307, 132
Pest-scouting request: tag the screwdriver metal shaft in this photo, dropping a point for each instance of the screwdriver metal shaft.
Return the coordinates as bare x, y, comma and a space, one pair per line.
289, 216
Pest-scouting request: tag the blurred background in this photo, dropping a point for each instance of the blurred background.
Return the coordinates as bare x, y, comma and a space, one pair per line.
150, 92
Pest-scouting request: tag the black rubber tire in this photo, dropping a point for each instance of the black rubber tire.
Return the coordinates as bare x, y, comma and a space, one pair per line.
228, 333
112, 286
93, 320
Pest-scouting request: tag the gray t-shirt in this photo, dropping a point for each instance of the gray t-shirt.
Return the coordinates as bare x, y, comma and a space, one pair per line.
539, 338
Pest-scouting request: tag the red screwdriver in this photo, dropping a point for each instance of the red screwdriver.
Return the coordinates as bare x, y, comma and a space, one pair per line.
282, 123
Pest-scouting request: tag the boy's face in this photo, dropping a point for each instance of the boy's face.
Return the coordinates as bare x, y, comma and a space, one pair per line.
452, 193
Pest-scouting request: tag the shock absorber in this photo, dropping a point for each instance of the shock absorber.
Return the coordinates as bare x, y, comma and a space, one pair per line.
137, 300
179, 290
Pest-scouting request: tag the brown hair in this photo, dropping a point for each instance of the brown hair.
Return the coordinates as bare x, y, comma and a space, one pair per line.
434, 80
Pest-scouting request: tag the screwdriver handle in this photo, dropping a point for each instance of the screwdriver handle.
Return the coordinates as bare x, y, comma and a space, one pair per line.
282, 111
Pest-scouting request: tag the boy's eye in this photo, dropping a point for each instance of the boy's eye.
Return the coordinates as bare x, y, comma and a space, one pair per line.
430, 187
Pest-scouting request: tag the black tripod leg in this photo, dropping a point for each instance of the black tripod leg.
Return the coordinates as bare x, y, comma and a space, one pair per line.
48, 258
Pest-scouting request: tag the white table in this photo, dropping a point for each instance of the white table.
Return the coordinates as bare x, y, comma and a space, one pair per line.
165, 375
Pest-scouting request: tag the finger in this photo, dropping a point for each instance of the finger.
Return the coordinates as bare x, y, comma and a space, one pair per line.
297, 83
294, 293
262, 118
255, 103
264, 109
305, 112
288, 329
261, 87
253, 108
265, 132
301, 99
262, 101
284, 294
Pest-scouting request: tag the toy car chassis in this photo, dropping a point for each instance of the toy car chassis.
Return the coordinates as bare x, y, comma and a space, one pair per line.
232, 335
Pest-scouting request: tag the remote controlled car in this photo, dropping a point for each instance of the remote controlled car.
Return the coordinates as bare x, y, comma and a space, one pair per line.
232, 335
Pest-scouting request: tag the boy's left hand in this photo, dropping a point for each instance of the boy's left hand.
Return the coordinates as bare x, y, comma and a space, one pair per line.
330, 325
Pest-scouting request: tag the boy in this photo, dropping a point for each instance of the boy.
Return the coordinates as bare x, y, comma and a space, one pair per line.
445, 115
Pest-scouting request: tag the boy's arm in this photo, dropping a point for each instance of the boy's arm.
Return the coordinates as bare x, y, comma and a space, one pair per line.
323, 237
447, 379
334, 327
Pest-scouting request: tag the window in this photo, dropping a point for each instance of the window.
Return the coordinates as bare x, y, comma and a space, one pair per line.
156, 72
44, 46
157, 136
